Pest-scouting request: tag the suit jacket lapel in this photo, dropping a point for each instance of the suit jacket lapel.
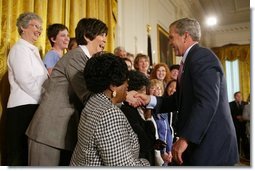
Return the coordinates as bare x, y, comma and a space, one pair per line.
184, 72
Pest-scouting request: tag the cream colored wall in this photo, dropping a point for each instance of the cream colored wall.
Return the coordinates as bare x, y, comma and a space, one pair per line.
134, 15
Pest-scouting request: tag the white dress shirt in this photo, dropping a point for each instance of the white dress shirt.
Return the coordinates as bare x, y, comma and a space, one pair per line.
85, 50
26, 73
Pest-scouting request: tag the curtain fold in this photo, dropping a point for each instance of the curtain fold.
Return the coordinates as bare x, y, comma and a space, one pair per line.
232, 52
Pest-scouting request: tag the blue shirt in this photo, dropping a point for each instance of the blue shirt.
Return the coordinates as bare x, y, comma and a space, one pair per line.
51, 58
164, 131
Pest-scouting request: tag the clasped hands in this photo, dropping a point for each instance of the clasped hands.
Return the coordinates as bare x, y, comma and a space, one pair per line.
136, 99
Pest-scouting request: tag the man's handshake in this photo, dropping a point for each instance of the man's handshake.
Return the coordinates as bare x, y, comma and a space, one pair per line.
136, 99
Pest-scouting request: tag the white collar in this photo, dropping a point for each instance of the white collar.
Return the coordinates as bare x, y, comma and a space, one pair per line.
187, 51
29, 45
85, 50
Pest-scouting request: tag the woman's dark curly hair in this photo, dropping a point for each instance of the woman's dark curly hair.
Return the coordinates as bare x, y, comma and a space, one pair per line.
103, 70
137, 80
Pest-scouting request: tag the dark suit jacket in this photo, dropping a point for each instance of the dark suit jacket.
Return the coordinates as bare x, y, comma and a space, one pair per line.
238, 111
204, 116
235, 110
56, 120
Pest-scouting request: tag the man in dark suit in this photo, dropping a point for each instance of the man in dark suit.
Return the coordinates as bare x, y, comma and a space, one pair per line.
205, 127
236, 108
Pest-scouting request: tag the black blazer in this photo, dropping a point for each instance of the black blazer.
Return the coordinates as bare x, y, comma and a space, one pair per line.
235, 110
204, 116
145, 131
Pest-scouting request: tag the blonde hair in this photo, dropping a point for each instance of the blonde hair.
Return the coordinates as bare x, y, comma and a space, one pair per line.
156, 83
137, 59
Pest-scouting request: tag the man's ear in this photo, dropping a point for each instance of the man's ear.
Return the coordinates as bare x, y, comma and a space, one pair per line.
186, 34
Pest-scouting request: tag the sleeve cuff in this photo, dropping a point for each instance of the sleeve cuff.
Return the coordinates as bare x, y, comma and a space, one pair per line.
152, 103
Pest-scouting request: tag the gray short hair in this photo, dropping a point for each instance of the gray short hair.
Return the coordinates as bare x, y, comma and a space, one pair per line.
191, 26
24, 18
119, 48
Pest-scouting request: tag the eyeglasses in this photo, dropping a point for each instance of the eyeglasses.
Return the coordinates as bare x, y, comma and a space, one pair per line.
37, 27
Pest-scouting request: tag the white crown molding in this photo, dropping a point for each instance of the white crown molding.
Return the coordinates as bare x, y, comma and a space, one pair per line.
230, 28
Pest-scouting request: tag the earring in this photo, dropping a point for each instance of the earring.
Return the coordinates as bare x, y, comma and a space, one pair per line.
114, 94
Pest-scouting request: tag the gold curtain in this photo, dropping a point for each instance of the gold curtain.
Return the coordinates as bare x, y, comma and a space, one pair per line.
67, 12
232, 52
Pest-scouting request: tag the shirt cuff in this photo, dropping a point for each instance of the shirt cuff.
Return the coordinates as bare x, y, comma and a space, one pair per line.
152, 103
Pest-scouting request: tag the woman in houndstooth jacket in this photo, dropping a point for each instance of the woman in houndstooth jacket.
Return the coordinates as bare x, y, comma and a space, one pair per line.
105, 137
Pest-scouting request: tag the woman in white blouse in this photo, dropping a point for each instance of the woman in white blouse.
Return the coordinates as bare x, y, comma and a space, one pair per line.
26, 74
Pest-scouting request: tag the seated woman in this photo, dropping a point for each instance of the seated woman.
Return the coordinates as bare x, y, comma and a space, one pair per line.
138, 118
105, 137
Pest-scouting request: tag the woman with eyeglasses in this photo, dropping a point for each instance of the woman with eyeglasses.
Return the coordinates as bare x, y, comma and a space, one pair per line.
26, 74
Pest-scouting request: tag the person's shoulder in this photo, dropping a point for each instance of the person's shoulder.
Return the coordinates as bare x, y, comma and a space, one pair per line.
247, 105
204, 55
232, 102
74, 51
244, 102
19, 46
130, 112
201, 49
20, 51
51, 54
111, 108
112, 113
126, 107
75, 54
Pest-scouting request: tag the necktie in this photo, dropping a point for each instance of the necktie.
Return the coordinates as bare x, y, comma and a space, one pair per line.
238, 105
180, 72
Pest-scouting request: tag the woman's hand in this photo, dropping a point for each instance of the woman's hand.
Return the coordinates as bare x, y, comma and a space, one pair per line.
136, 99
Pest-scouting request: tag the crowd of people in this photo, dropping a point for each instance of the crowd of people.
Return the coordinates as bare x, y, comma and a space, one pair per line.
88, 107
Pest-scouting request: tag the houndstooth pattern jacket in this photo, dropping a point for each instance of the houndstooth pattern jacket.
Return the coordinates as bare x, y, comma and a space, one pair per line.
105, 137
